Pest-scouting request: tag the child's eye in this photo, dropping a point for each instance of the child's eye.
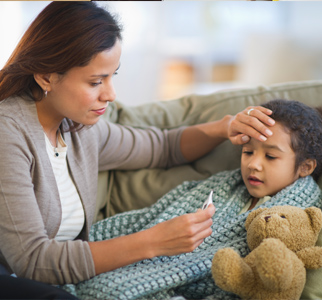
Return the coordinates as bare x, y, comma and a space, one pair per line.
115, 73
247, 152
270, 157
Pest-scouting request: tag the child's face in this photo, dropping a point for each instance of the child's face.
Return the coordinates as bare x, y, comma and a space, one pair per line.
268, 167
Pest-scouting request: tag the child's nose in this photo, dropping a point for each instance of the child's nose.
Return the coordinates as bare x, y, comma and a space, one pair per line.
255, 164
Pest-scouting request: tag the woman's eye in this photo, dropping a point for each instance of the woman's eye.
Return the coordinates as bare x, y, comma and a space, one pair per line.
96, 83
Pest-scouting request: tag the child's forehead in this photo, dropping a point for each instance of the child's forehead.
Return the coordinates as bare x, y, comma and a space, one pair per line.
280, 132
269, 145
280, 140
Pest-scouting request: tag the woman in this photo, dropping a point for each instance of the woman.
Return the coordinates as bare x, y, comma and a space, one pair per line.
53, 90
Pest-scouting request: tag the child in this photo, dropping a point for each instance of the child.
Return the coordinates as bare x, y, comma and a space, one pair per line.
294, 151
274, 172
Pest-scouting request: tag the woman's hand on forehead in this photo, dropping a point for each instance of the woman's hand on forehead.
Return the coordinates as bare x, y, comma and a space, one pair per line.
252, 122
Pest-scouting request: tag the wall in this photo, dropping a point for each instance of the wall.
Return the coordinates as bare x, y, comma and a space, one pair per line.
178, 47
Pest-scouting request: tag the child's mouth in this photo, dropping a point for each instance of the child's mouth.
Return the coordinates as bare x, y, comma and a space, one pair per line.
254, 180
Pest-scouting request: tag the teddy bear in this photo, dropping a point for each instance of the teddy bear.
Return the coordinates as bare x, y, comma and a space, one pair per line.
282, 243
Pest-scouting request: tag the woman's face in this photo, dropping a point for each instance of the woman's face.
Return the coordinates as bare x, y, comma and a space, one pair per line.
268, 167
83, 93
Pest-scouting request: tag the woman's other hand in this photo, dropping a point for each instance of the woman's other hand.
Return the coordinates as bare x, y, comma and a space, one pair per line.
251, 122
181, 234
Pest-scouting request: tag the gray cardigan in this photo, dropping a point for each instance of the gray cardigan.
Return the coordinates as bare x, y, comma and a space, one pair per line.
30, 210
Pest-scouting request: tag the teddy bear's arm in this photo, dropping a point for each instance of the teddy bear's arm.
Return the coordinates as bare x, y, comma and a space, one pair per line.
311, 257
231, 272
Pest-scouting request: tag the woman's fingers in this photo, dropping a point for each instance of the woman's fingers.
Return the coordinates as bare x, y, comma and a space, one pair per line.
253, 127
261, 113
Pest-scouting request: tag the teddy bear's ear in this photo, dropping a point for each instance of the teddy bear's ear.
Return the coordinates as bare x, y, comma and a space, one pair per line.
253, 215
315, 216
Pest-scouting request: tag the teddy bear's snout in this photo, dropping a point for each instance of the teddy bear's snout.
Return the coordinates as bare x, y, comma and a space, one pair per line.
267, 218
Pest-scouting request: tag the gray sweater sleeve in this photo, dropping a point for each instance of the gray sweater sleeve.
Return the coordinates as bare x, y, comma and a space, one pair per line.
136, 148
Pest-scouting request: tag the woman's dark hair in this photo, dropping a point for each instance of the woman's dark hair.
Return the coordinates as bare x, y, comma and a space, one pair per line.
305, 126
64, 35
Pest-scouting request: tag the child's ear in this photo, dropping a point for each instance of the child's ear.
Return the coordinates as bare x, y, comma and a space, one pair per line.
307, 167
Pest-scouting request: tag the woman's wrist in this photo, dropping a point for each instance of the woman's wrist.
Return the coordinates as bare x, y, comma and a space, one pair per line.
223, 127
198, 140
147, 247
121, 251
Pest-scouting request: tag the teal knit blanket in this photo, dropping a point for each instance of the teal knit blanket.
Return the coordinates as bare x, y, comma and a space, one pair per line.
187, 274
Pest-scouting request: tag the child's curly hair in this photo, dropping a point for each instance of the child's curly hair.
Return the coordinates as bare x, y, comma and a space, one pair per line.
305, 126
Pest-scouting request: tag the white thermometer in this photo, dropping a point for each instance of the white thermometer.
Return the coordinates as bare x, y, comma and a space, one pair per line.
208, 201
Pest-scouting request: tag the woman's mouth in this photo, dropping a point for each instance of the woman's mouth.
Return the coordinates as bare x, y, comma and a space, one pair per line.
254, 181
100, 111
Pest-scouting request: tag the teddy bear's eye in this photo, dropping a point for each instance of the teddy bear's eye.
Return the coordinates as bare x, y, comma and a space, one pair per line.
282, 216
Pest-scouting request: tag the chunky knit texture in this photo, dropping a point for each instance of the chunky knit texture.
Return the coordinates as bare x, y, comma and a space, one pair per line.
187, 274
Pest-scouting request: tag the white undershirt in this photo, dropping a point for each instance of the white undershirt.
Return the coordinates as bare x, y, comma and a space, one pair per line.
259, 202
73, 216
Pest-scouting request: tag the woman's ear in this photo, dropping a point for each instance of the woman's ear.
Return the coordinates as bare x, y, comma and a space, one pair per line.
43, 81
307, 167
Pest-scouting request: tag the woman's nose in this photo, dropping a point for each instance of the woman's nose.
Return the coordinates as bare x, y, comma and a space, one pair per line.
108, 94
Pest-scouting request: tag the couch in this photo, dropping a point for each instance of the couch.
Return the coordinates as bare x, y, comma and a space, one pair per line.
120, 191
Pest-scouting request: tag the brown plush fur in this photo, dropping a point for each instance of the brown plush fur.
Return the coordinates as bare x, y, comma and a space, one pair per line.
282, 240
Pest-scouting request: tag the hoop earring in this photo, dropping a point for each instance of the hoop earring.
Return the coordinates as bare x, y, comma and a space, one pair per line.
46, 93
